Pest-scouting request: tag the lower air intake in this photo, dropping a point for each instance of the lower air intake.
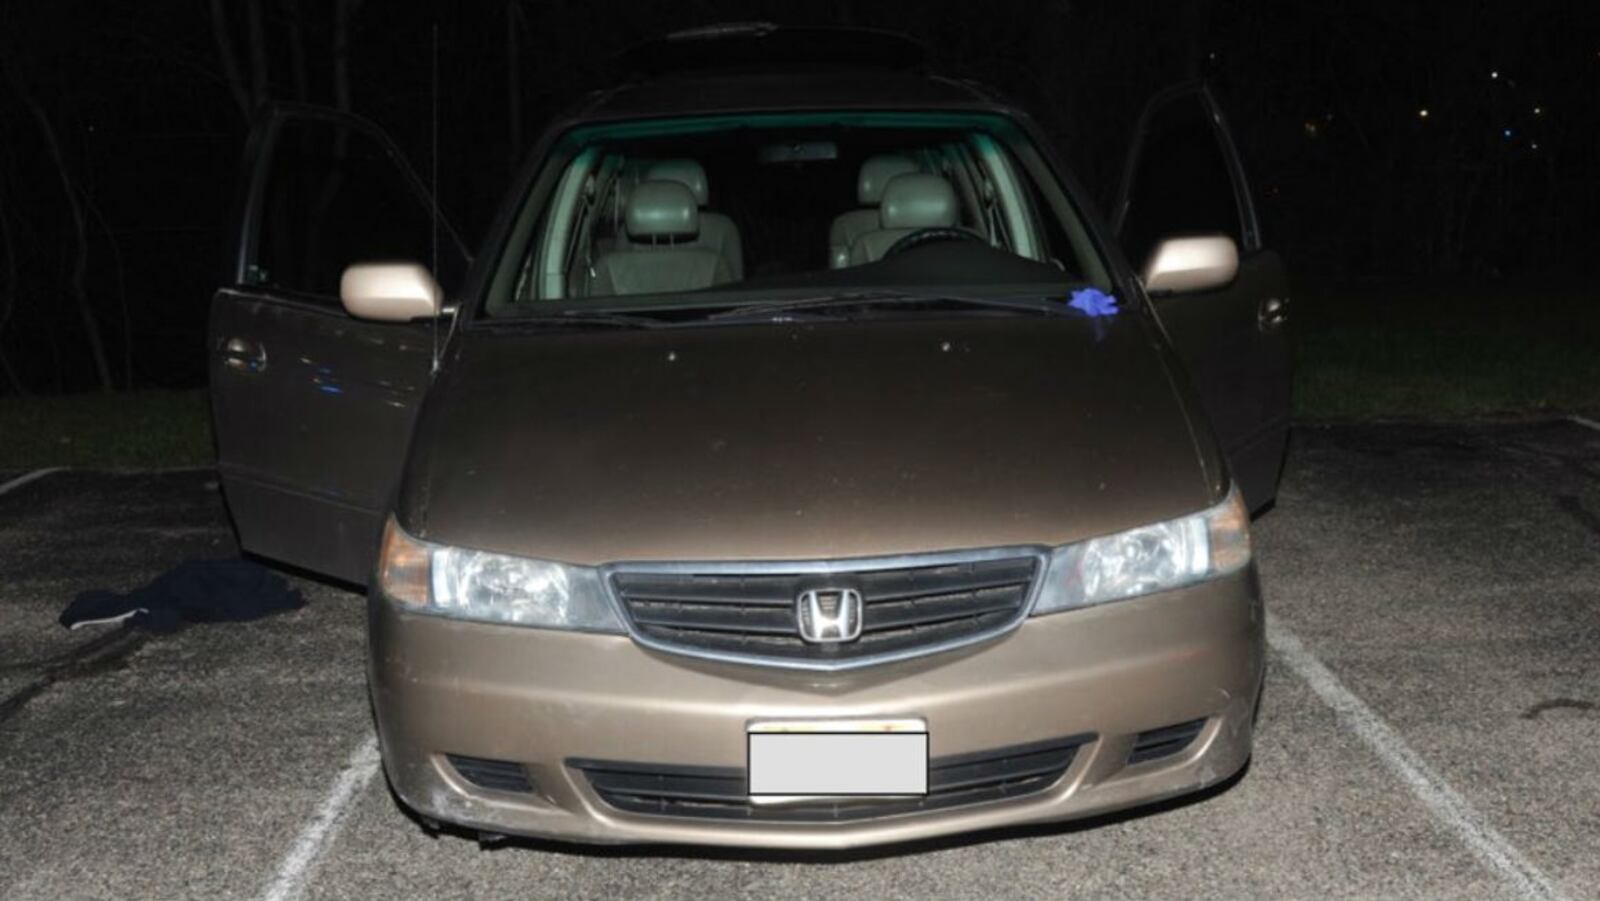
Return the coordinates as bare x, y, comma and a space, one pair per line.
500, 775
1164, 742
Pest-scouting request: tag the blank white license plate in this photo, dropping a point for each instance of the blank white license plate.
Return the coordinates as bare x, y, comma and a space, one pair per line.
837, 758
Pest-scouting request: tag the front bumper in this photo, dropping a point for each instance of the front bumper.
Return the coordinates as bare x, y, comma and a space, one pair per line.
549, 700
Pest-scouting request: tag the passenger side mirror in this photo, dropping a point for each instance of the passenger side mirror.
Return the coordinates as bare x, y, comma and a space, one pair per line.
390, 292
1179, 265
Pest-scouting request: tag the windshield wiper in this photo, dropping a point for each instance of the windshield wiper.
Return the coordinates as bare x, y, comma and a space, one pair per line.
767, 309
583, 318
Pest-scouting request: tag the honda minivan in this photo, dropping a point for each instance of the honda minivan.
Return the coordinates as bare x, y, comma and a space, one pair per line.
800, 461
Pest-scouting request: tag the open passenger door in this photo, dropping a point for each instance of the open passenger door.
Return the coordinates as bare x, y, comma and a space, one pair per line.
313, 408
1183, 177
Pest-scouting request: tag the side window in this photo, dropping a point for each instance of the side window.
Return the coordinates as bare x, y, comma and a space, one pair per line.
1063, 230
952, 161
1008, 200
596, 227
549, 264
1182, 182
335, 196
1057, 248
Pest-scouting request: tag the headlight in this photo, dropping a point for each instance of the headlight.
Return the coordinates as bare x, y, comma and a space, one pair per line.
477, 585
1148, 558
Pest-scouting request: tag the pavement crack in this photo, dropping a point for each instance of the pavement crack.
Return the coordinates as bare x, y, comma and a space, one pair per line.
98, 655
1573, 506
1532, 713
1577, 465
71, 655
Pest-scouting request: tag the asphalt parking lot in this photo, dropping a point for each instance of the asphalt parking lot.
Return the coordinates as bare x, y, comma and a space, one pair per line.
1431, 726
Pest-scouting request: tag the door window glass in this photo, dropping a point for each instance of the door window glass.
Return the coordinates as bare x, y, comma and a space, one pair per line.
334, 195
1182, 183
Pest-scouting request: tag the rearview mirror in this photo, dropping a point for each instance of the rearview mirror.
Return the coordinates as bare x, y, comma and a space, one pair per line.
1196, 263
390, 292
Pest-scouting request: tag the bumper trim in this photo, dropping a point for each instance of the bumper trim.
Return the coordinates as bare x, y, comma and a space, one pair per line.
723, 793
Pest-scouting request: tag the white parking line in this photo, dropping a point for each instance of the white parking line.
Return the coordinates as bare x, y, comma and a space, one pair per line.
297, 865
1584, 421
19, 481
1444, 802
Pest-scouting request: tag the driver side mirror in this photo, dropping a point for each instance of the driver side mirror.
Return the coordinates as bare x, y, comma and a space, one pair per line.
1180, 265
390, 292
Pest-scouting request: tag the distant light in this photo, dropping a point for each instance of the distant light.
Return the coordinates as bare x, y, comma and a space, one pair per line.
1312, 128
1495, 73
1535, 145
1505, 133
1538, 111
1212, 55
1422, 113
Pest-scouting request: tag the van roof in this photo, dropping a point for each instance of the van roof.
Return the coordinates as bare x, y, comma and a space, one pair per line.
759, 66
764, 45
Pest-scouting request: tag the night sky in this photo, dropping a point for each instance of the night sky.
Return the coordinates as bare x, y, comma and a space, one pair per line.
1427, 144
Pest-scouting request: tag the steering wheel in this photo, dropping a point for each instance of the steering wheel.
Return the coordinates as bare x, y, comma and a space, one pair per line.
928, 236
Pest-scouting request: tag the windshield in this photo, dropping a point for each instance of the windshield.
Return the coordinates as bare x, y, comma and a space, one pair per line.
718, 211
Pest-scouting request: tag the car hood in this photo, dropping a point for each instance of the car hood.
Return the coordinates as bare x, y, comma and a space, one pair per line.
802, 440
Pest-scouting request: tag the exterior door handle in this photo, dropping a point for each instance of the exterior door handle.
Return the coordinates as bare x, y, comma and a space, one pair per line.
244, 355
1274, 312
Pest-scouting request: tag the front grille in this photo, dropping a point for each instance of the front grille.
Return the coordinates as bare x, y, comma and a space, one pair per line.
752, 615
1164, 742
723, 793
500, 775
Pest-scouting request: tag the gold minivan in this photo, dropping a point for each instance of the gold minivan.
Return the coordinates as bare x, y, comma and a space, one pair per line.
799, 462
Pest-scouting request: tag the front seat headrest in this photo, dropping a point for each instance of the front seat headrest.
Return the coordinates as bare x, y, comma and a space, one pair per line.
876, 172
688, 173
918, 200
661, 209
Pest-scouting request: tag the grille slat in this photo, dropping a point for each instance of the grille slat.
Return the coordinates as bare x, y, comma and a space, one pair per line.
697, 616
894, 585
790, 647
721, 793
753, 615
695, 595
757, 590
899, 614
677, 788
1017, 766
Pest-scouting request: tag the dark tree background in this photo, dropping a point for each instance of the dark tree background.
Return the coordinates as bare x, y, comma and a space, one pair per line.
1431, 143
